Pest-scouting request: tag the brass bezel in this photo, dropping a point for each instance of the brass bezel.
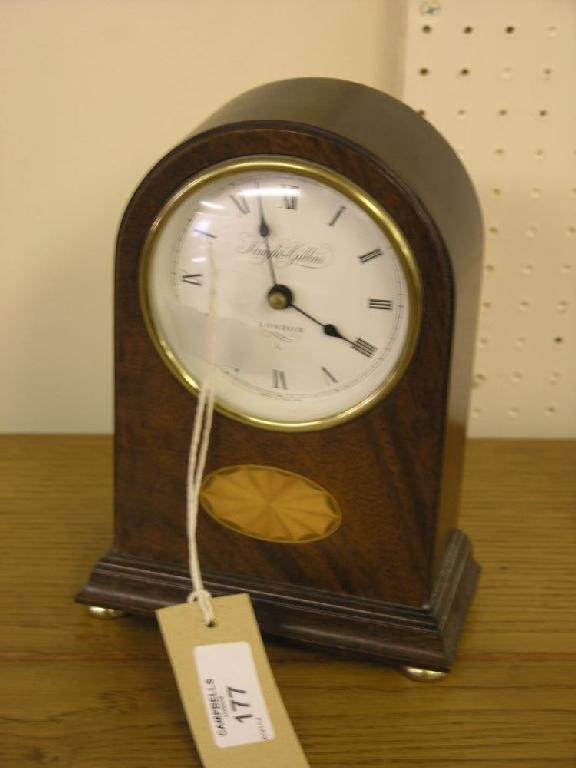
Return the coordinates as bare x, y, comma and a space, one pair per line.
357, 196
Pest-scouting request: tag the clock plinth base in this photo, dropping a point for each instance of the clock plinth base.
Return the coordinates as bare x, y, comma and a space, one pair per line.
424, 637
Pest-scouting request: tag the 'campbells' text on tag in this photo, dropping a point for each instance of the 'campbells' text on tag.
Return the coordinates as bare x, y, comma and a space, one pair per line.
230, 697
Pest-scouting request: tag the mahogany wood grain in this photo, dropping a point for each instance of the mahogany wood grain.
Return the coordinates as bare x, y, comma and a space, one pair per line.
82, 693
384, 467
394, 470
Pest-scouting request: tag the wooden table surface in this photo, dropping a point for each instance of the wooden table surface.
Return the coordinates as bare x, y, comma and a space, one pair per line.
100, 694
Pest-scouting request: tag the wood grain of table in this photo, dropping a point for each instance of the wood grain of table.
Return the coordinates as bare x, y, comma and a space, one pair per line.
85, 693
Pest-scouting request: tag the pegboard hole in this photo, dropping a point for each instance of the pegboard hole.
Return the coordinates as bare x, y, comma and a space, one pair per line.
476, 413
554, 377
551, 410
513, 413
423, 71
521, 139
426, 29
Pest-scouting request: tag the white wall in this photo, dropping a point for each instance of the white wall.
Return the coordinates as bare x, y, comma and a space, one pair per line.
497, 79
92, 93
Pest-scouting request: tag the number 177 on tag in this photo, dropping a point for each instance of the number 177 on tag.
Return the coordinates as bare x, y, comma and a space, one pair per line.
232, 695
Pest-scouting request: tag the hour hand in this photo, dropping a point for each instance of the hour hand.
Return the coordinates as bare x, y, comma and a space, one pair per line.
331, 330
327, 328
282, 297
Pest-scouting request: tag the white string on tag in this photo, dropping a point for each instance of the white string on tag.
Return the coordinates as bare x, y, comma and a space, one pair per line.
198, 452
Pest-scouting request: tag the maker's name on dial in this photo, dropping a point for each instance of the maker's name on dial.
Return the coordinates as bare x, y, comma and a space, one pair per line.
289, 253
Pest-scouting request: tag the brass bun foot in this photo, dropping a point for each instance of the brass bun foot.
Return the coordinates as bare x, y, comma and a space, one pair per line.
97, 612
423, 675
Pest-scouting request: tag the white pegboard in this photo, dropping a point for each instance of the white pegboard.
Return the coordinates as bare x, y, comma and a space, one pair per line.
498, 79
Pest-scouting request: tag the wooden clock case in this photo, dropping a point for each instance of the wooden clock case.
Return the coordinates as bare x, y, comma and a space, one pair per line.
395, 581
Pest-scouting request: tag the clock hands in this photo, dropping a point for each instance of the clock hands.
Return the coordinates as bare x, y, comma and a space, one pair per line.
264, 231
282, 297
328, 328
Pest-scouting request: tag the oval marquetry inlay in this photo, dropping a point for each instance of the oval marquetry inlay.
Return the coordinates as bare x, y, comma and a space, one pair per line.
270, 504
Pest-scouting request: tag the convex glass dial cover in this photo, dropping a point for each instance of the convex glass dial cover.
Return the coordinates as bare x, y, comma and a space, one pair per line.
315, 296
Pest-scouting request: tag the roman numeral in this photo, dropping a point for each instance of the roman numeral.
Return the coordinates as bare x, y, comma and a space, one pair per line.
279, 379
362, 346
337, 215
370, 255
291, 201
241, 204
380, 303
192, 279
329, 376
206, 234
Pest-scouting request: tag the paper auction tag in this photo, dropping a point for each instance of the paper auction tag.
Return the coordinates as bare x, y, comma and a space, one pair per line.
230, 697
233, 697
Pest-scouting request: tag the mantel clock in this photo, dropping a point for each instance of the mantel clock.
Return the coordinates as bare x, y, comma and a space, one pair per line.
341, 238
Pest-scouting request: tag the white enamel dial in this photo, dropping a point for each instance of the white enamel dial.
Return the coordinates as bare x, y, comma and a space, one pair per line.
315, 297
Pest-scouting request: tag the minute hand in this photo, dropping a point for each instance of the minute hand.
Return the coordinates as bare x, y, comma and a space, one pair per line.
264, 231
